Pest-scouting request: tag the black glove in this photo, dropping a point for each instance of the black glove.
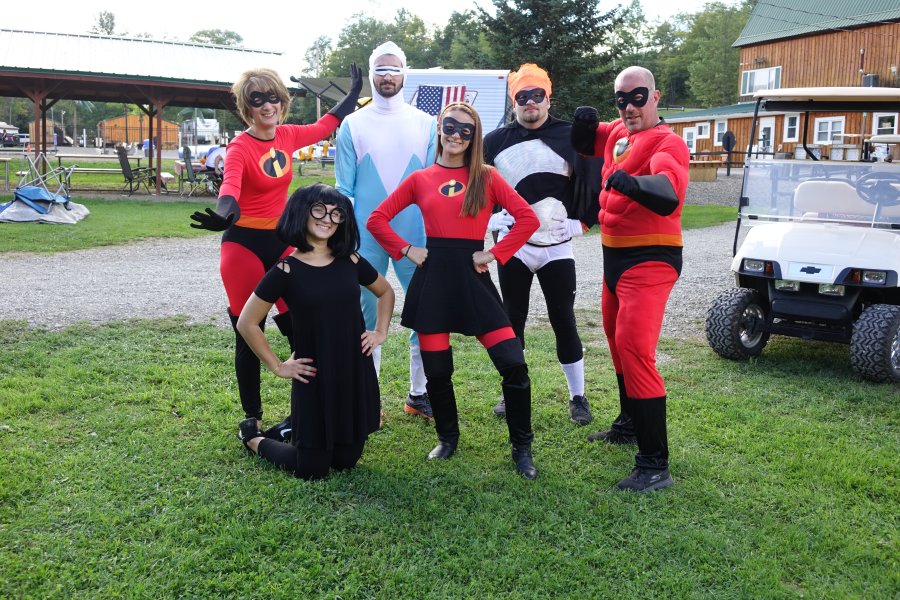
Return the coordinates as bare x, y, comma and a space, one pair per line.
584, 129
623, 182
348, 103
211, 220
654, 192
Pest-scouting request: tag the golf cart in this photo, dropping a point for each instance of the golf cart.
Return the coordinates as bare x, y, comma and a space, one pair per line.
822, 255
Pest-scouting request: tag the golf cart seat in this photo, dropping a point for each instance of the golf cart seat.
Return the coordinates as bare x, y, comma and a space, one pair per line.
834, 200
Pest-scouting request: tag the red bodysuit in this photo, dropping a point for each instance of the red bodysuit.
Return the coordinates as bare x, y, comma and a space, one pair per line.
447, 294
641, 250
258, 174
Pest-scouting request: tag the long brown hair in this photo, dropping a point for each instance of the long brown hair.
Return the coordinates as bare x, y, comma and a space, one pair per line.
479, 173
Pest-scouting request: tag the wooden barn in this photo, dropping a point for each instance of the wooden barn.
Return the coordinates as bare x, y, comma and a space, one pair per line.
805, 43
133, 129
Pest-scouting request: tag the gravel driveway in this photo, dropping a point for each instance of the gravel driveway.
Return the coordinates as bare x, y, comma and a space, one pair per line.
161, 278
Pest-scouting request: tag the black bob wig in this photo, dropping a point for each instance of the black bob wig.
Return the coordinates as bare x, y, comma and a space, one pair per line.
292, 227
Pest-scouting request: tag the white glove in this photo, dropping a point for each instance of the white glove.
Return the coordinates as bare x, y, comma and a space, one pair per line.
501, 221
564, 229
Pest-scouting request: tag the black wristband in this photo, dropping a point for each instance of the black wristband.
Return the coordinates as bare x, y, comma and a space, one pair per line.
406, 252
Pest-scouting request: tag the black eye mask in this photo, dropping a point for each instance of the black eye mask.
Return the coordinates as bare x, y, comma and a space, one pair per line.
257, 99
638, 97
449, 126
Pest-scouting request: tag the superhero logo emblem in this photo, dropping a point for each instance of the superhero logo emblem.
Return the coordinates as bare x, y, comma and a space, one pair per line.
452, 188
274, 163
620, 150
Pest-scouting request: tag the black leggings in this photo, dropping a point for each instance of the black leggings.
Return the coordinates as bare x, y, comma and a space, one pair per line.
310, 463
557, 279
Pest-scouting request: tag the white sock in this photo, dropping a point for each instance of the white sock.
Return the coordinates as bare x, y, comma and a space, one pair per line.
376, 358
574, 377
417, 377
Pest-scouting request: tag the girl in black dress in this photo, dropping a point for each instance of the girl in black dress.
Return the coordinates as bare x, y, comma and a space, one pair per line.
335, 401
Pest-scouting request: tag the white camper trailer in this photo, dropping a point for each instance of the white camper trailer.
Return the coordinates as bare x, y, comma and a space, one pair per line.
485, 89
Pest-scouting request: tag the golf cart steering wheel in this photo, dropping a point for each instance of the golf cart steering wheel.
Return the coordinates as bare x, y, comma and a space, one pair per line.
879, 187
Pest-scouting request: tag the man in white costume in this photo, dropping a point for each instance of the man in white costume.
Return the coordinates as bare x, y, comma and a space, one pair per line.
378, 146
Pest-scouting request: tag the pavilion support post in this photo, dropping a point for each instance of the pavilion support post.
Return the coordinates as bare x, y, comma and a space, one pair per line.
157, 104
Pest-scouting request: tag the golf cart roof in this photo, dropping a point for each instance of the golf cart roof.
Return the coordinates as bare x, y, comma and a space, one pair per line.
830, 99
885, 138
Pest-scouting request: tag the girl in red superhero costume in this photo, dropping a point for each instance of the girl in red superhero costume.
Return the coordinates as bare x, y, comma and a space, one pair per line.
251, 199
452, 291
335, 399
645, 174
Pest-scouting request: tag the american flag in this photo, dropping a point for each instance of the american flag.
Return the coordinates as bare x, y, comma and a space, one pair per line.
433, 98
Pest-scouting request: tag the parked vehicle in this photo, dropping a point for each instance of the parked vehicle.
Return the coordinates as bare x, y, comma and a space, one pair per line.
485, 89
8, 139
822, 256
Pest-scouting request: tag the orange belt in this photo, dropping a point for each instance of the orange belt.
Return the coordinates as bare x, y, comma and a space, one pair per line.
650, 239
257, 222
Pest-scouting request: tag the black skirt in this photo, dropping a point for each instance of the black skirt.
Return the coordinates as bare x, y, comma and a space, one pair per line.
447, 294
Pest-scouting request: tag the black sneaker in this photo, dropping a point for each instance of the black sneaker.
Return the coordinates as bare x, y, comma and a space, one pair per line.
644, 480
580, 410
500, 408
280, 432
612, 436
418, 405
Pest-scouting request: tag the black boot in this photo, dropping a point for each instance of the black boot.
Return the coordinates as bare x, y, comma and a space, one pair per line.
439, 371
651, 463
622, 429
246, 369
517, 392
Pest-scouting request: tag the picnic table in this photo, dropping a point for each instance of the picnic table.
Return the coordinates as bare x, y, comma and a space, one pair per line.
89, 157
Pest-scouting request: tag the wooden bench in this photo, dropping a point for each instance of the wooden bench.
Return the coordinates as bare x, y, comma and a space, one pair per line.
704, 170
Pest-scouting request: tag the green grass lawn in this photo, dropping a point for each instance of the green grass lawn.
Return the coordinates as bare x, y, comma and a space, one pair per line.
122, 477
122, 220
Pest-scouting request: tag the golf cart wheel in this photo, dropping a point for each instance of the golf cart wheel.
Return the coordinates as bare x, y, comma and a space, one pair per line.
736, 324
875, 344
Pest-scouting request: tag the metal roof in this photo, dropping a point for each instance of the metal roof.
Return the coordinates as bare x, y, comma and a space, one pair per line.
107, 68
778, 19
731, 110
828, 94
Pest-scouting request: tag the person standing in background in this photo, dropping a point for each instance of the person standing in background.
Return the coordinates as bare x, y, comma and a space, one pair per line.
377, 148
534, 154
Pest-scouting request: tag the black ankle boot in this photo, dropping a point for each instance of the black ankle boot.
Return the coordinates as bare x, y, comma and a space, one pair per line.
442, 451
521, 455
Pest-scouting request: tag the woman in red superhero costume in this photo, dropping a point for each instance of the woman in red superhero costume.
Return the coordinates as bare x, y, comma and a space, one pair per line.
645, 175
251, 199
452, 291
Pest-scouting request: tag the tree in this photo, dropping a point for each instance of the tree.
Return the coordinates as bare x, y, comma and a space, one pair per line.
105, 24
462, 44
222, 37
712, 63
362, 34
317, 54
563, 37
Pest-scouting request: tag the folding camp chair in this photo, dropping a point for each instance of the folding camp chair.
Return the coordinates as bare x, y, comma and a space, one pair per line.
197, 181
40, 173
135, 178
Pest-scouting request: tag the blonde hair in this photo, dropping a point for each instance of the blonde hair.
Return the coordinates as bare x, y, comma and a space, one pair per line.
479, 173
259, 80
